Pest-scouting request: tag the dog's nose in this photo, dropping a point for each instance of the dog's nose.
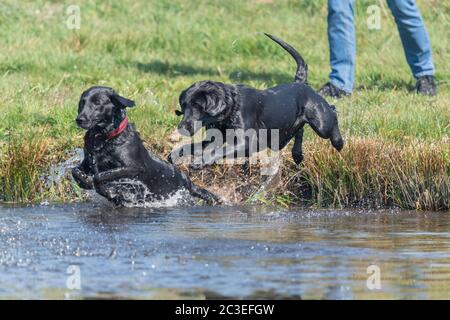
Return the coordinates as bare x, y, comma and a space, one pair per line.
80, 120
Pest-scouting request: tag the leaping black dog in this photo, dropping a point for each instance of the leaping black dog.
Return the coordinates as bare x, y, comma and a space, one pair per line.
113, 151
286, 108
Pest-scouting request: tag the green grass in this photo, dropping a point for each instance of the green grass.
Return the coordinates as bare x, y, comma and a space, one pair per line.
151, 50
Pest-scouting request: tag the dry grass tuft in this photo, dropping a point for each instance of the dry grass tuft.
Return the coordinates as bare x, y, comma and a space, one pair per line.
21, 165
369, 172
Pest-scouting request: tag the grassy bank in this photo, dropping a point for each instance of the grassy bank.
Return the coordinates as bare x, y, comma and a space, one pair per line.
397, 151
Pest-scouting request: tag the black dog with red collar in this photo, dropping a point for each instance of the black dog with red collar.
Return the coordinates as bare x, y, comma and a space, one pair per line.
113, 151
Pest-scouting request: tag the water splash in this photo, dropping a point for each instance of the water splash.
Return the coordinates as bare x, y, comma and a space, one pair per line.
134, 193
60, 171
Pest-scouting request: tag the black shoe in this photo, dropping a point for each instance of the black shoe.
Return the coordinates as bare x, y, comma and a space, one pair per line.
426, 85
330, 90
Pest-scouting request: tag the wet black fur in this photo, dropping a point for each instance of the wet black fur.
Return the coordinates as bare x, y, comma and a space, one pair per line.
100, 111
286, 107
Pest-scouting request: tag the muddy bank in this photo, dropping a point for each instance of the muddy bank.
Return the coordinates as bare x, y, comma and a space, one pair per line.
368, 173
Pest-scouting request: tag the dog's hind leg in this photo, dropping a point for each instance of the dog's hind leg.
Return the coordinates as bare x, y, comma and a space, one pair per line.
336, 139
203, 194
322, 118
106, 191
297, 153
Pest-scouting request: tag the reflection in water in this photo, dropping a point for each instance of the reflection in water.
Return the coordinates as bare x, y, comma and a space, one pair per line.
198, 252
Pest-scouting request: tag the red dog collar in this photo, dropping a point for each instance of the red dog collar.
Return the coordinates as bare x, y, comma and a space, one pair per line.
119, 129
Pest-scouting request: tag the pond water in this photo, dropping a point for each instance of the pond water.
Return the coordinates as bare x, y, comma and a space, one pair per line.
90, 250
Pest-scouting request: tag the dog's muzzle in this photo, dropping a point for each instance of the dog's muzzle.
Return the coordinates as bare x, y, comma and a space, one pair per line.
189, 128
83, 122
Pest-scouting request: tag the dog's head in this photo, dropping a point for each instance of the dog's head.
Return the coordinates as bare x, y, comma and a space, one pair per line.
99, 107
203, 103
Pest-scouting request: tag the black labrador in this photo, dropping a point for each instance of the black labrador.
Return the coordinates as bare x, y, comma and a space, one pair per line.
285, 108
113, 151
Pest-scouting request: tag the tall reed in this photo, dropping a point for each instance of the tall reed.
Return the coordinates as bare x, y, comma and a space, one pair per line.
21, 163
373, 172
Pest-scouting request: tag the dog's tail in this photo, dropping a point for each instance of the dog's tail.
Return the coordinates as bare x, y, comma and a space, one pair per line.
301, 75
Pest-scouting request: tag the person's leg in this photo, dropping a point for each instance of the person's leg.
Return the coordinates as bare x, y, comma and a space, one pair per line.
414, 36
341, 38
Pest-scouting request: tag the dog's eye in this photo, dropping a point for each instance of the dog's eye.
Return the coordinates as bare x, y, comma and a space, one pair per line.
95, 101
100, 107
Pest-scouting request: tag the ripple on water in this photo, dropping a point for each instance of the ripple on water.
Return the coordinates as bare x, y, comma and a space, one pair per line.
221, 252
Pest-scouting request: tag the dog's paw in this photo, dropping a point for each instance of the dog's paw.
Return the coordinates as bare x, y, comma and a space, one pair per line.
298, 158
78, 175
245, 167
82, 179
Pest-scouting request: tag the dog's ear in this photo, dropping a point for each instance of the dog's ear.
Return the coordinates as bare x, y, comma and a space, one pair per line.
121, 102
211, 101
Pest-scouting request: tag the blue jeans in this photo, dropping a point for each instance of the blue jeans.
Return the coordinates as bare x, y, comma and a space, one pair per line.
341, 37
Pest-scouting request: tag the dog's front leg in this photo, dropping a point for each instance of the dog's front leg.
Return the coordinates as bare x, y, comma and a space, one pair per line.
193, 149
83, 180
228, 152
116, 174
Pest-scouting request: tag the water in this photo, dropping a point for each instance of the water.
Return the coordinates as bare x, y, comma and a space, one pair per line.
131, 192
220, 252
